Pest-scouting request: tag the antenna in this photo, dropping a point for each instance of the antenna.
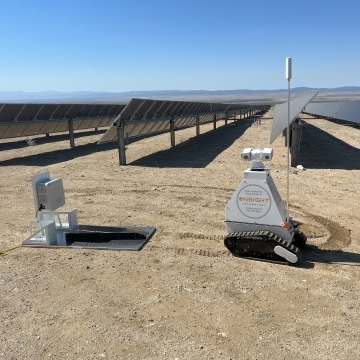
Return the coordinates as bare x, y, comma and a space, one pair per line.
288, 75
288, 68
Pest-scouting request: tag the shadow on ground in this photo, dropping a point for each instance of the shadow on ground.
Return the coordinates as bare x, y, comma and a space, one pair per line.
30, 141
197, 152
313, 254
320, 150
58, 156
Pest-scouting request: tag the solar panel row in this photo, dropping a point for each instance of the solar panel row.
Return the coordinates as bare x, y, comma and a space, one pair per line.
18, 120
140, 117
143, 117
342, 110
283, 117
280, 121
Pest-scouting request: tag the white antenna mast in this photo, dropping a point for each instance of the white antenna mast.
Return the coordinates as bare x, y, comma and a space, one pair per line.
288, 74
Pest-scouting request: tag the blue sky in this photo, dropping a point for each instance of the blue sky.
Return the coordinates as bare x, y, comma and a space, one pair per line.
125, 45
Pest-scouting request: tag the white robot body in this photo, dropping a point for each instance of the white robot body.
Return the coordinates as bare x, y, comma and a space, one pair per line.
257, 204
256, 218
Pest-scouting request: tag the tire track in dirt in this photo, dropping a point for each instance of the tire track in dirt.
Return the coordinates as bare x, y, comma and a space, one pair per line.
338, 237
193, 251
190, 235
200, 252
133, 188
197, 187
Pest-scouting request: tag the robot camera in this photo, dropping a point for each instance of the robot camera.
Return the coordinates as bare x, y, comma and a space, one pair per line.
250, 154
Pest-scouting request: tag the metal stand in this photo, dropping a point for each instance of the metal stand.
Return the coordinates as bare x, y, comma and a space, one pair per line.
296, 131
61, 229
71, 133
288, 78
172, 133
121, 144
197, 124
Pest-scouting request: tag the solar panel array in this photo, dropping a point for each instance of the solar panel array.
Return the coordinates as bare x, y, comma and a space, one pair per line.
139, 118
19, 120
146, 117
342, 110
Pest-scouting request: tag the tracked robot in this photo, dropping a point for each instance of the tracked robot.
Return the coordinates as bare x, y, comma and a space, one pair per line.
256, 218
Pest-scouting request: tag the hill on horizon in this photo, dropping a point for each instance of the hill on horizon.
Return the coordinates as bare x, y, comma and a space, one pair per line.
188, 95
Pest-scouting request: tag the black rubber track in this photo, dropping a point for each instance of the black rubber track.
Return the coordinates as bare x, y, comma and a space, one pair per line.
259, 245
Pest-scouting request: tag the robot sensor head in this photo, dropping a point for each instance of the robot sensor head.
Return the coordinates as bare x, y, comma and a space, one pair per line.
250, 154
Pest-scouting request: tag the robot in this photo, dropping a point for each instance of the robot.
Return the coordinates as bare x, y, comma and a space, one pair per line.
256, 218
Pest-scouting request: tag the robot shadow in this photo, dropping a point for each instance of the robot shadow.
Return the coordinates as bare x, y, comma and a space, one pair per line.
312, 254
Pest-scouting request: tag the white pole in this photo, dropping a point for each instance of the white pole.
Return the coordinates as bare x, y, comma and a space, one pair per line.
288, 78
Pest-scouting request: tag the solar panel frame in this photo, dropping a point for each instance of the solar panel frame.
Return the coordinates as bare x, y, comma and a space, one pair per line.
28, 112
9, 112
28, 119
349, 111
327, 109
342, 110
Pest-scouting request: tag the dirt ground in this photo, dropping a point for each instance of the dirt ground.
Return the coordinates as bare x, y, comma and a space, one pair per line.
183, 296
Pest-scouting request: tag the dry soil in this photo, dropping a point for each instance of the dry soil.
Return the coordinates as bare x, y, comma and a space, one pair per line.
183, 296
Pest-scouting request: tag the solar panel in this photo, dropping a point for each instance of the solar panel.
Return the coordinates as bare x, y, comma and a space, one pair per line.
342, 110
280, 121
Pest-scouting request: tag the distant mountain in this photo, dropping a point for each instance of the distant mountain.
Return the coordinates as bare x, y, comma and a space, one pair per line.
196, 95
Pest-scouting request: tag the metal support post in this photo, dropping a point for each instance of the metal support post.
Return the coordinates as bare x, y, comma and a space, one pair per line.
121, 143
284, 134
288, 141
172, 133
288, 72
71, 133
197, 124
214, 121
295, 143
